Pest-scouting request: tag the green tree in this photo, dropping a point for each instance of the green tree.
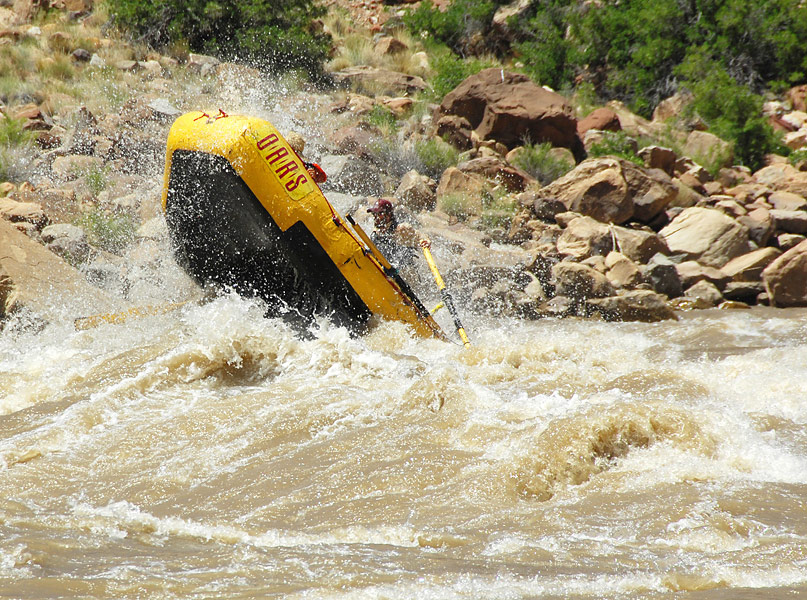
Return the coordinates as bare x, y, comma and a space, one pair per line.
461, 27
273, 34
730, 109
541, 45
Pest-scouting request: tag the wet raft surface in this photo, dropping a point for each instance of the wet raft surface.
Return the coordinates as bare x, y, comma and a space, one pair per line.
223, 235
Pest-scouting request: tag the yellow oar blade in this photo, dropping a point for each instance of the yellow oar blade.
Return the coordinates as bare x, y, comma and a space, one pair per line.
441, 285
136, 312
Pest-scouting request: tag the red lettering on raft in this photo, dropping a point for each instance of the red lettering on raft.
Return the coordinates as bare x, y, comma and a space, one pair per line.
267, 141
276, 155
286, 169
283, 170
292, 185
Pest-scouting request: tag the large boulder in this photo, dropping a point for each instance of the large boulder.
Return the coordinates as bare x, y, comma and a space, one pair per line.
383, 81
749, 267
635, 305
785, 278
585, 237
612, 190
798, 97
601, 119
702, 145
622, 272
33, 278
706, 235
68, 241
509, 108
760, 224
23, 212
661, 273
790, 221
580, 282
416, 191
691, 272
784, 177
495, 169
639, 246
455, 182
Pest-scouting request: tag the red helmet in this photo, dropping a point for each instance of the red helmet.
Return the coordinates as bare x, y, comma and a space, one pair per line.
382, 206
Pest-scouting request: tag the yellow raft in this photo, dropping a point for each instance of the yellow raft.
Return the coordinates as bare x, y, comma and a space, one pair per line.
244, 213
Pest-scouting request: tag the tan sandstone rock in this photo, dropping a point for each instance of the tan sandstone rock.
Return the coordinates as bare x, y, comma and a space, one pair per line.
635, 305
706, 235
785, 278
33, 277
509, 107
612, 190
749, 267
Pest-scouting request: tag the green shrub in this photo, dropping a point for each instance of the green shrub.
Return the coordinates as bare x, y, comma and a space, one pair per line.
16, 149
797, 156
450, 71
59, 68
459, 205
96, 180
731, 110
110, 232
539, 161
435, 156
274, 34
12, 132
457, 27
618, 144
498, 210
381, 117
542, 47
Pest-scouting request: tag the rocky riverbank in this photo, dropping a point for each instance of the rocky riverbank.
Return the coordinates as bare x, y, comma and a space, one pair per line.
618, 238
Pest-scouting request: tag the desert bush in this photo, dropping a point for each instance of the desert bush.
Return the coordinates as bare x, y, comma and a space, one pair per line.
538, 161
277, 35
382, 118
618, 144
458, 27
797, 156
12, 132
107, 231
16, 150
498, 210
435, 156
541, 46
96, 179
450, 71
58, 67
730, 109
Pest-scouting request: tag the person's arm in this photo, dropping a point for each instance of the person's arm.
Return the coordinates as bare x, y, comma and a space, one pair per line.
316, 172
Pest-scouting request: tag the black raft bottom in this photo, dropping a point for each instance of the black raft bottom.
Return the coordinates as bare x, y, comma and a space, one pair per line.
222, 235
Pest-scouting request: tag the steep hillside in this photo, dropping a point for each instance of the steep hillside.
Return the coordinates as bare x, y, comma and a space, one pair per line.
539, 203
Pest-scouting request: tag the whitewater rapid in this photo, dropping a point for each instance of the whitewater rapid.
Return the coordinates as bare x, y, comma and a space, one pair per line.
212, 452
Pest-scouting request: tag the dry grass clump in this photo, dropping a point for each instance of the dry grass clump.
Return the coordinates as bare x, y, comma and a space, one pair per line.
355, 47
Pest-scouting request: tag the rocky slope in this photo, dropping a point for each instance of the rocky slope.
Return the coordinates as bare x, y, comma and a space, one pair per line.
612, 238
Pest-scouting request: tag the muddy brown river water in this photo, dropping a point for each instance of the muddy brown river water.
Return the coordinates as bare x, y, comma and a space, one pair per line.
211, 453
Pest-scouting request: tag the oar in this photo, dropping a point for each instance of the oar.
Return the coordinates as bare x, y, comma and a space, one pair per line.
135, 312
441, 285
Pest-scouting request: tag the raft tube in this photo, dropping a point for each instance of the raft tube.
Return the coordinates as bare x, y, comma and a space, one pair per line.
243, 213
